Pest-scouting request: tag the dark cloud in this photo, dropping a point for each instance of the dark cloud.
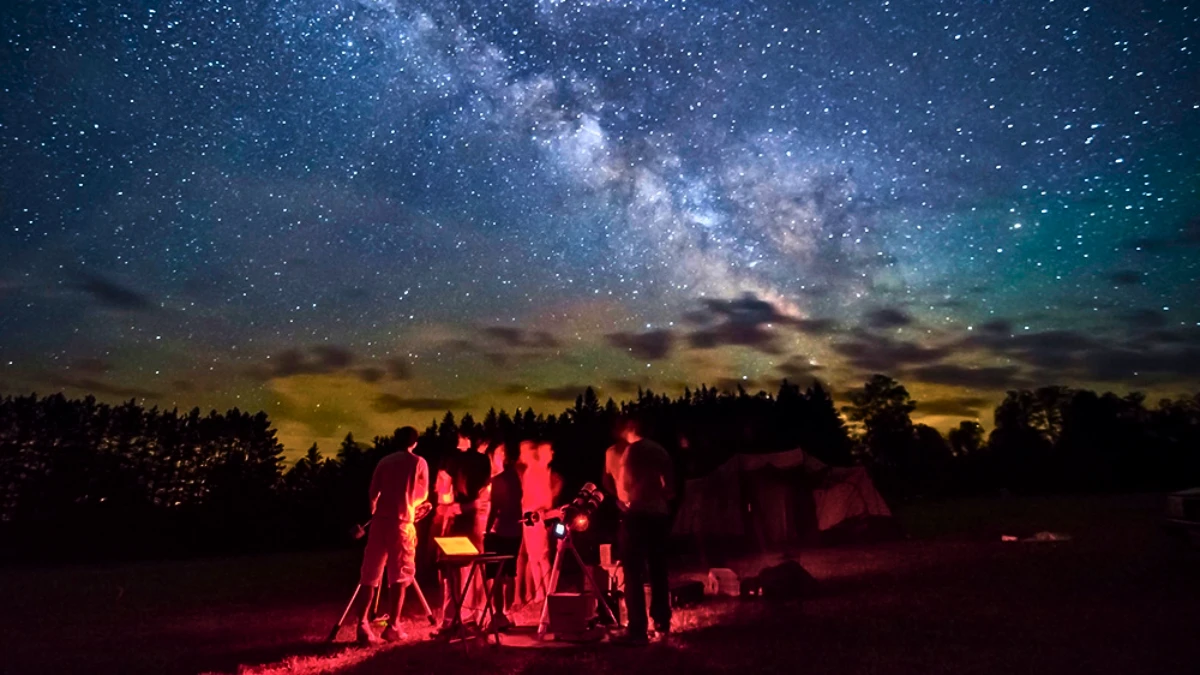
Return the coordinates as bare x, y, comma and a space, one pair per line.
1126, 278
332, 357
747, 321
649, 346
1149, 365
1144, 358
815, 326
1166, 338
752, 335
1046, 349
994, 377
113, 295
747, 310
518, 338
90, 366
91, 385
967, 406
1186, 235
888, 317
1145, 319
875, 353
371, 374
390, 403
395, 368
798, 369
624, 385
565, 393
997, 327
399, 369
731, 384
317, 360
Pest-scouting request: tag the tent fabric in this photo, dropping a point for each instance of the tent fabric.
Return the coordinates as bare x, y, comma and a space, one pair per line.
847, 493
776, 498
791, 459
712, 504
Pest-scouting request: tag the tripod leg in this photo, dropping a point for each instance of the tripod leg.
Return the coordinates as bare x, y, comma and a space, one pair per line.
424, 603
589, 580
544, 622
337, 626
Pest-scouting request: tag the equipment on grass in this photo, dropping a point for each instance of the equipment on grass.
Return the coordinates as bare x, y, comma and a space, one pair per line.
687, 593
379, 591
591, 586
474, 561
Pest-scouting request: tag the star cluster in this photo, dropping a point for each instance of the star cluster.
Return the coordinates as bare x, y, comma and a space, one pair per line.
357, 213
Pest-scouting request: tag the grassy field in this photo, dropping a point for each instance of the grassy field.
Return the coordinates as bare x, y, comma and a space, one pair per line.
951, 599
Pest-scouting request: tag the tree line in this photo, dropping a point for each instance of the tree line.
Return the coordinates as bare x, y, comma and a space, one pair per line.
83, 479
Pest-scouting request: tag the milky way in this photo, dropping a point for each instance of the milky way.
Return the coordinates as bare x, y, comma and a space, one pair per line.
363, 213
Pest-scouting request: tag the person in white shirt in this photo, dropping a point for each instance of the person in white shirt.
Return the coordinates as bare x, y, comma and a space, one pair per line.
399, 485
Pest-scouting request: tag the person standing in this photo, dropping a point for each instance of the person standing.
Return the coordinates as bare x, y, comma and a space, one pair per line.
503, 531
537, 496
469, 473
645, 486
399, 485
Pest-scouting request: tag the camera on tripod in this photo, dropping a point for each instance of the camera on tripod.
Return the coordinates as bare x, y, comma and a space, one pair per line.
574, 517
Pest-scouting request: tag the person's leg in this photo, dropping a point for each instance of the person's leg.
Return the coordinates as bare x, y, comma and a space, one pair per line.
451, 587
375, 557
477, 595
402, 571
633, 561
368, 596
660, 590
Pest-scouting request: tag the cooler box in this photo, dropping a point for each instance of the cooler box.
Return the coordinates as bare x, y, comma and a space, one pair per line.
571, 612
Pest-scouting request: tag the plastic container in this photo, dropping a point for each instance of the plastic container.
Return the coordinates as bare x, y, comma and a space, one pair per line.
723, 581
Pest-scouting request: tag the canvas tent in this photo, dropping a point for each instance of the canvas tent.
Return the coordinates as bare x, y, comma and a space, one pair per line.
777, 499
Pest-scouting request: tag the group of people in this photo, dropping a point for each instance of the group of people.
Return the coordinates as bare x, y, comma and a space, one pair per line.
482, 493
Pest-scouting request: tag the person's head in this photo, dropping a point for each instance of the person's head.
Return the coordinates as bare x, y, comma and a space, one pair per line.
500, 456
406, 438
483, 447
464, 442
545, 452
527, 454
630, 430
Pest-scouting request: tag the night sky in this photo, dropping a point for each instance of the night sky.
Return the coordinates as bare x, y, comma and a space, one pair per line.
359, 214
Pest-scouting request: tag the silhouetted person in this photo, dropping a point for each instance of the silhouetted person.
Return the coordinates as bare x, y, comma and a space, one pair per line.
645, 484
504, 530
400, 484
470, 474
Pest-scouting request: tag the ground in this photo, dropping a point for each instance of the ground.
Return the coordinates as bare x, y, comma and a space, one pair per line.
953, 598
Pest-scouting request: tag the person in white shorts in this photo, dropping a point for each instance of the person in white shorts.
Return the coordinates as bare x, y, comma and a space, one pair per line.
399, 485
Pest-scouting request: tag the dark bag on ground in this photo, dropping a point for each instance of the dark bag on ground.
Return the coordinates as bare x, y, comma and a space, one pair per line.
786, 581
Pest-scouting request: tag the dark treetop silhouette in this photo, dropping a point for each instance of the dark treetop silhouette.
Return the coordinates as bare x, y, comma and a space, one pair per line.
81, 479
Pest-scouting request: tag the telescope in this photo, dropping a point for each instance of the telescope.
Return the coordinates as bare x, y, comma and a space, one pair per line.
574, 517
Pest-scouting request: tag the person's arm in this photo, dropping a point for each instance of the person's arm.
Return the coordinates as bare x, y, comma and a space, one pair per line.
374, 490
420, 493
556, 486
498, 497
611, 464
668, 475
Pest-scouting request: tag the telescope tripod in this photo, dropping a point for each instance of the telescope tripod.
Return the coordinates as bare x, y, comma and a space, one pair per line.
565, 544
375, 600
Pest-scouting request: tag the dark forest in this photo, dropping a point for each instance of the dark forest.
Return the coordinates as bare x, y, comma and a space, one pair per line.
82, 480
